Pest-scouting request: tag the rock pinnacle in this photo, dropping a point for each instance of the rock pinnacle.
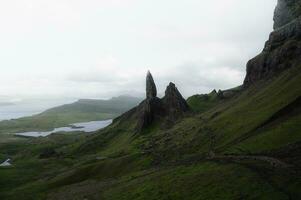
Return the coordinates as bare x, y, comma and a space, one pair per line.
151, 90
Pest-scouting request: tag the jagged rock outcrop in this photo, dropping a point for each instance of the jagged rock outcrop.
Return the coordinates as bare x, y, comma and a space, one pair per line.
152, 107
174, 103
166, 110
149, 110
283, 49
151, 90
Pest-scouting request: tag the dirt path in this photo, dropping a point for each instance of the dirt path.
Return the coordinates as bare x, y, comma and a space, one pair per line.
272, 161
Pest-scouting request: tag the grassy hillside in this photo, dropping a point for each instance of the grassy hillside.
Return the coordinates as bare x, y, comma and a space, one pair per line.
203, 102
80, 111
244, 147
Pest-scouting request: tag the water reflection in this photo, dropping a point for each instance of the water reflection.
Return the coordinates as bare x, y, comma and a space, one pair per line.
84, 127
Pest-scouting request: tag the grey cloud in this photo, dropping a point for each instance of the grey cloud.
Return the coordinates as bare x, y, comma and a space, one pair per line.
103, 52
201, 77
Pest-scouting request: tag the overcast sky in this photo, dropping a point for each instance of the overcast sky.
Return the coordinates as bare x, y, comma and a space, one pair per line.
69, 49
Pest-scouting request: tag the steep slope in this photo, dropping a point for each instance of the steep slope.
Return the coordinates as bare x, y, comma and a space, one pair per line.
257, 108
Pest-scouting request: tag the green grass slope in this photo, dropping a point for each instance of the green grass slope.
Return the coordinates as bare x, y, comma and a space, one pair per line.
203, 102
245, 117
80, 111
227, 151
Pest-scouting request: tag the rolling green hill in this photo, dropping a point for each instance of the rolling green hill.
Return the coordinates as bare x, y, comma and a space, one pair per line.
81, 111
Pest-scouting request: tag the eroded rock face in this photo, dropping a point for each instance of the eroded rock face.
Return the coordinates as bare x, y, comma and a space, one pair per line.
283, 49
149, 110
151, 90
174, 103
286, 11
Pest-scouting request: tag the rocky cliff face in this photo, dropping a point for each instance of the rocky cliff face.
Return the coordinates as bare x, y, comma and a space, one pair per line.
149, 111
283, 49
174, 103
286, 11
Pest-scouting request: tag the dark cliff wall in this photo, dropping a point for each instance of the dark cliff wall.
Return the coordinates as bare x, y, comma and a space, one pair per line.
286, 11
283, 49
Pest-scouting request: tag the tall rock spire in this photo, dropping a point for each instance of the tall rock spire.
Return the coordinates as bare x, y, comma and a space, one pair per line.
151, 90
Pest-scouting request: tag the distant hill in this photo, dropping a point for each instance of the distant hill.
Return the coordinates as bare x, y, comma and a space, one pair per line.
81, 111
115, 106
